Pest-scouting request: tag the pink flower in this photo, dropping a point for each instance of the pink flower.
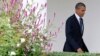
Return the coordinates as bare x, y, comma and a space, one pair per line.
48, 46
6, 8
12, 2
33, 10
39, 19
33, 34
45, 5
18, 14
25, 13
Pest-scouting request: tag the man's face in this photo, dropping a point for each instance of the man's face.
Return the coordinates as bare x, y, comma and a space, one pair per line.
81, 11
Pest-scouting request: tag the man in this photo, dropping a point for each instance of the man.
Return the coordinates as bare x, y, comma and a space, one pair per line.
74, 30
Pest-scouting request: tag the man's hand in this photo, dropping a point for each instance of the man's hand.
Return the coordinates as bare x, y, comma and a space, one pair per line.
79, 50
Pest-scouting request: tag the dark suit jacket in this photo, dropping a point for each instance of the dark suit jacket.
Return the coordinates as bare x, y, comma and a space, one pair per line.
73, 36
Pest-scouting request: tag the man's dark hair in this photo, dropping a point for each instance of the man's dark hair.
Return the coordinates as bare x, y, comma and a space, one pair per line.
78, 5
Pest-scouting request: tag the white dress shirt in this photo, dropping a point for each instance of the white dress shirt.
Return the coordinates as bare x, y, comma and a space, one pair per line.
78, 17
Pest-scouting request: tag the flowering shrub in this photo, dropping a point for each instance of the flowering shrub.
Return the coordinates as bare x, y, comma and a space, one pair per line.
23, 29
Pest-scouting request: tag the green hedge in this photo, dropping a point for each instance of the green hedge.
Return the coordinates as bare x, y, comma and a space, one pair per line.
3, 52
72, 54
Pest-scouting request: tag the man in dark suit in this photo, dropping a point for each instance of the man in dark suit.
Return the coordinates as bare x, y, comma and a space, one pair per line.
74, 30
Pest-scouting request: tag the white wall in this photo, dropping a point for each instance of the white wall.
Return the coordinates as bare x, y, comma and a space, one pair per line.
65, 8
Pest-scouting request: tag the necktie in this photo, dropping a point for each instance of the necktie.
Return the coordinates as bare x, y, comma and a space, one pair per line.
81, 25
